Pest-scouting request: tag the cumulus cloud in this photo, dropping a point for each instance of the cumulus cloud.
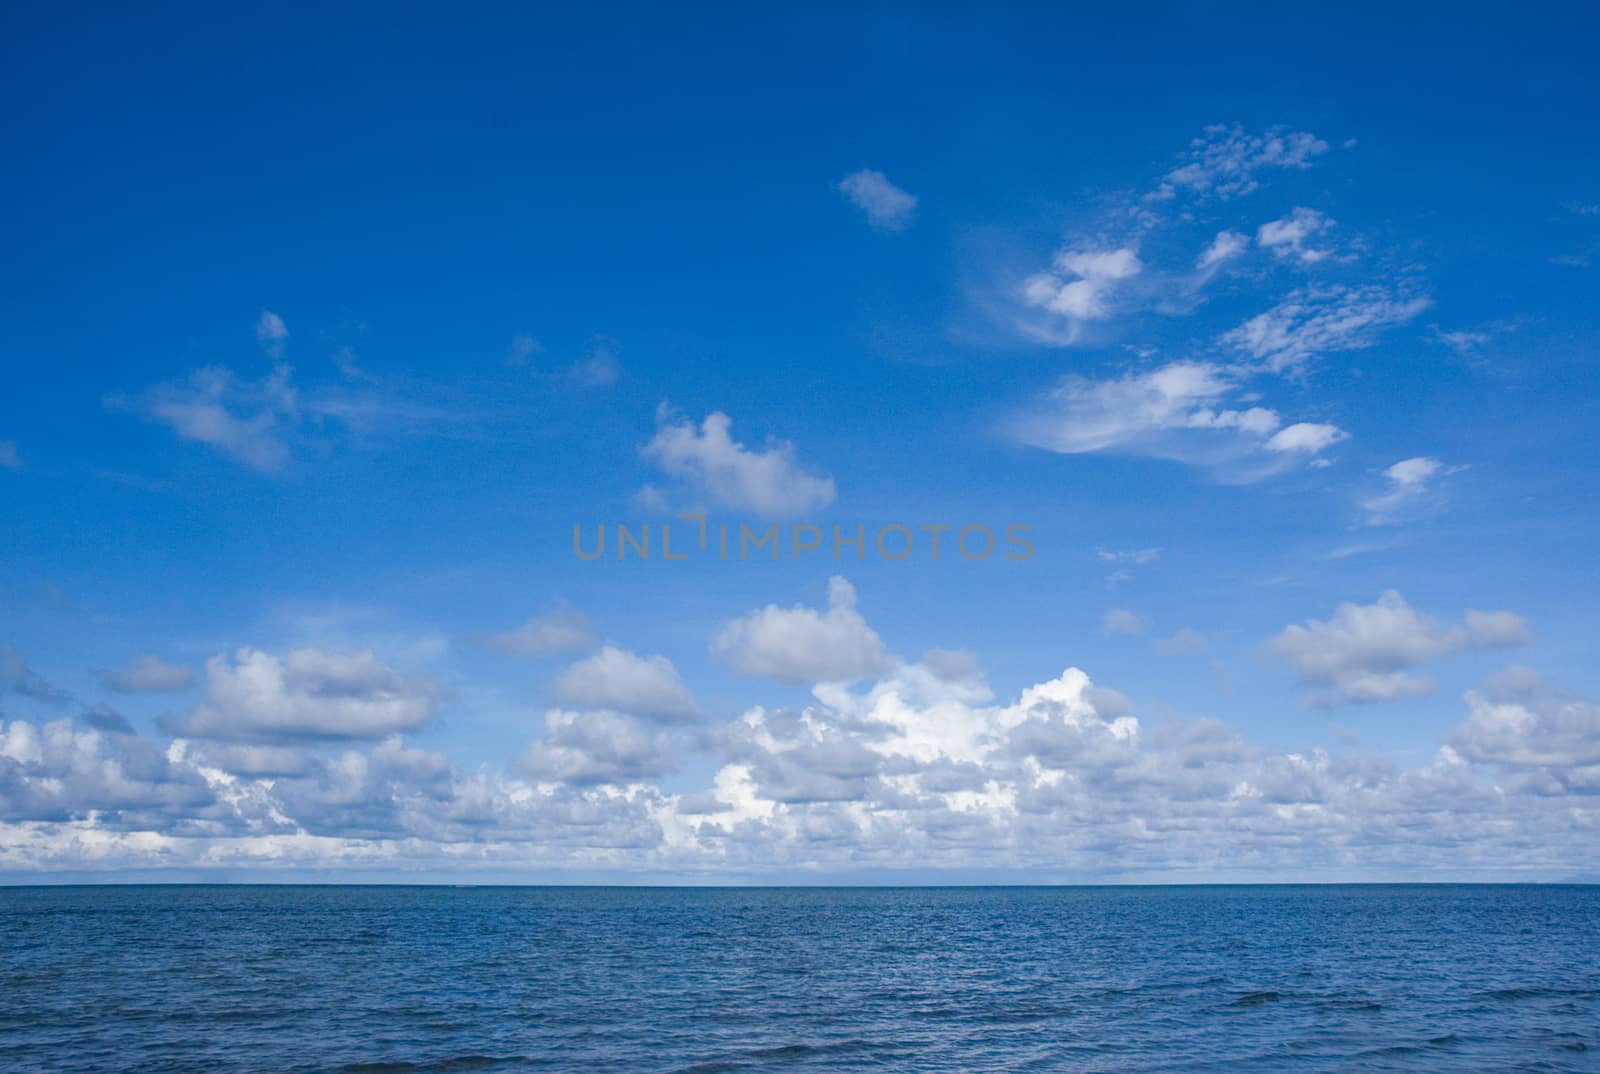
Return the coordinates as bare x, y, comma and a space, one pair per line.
1289, 238
1410, 486
148, 674
615, 678
710, 463
1366, 652
885, 205
915, 770
1226, 162
58, 772
1553, 742
308, 693
801, 645
1177, 411
560, 631
588, 748
1079, 287
1321, 320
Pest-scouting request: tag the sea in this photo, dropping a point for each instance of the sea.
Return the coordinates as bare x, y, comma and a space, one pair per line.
406, 980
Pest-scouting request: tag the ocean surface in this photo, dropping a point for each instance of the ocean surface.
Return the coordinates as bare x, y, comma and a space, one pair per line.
373, 980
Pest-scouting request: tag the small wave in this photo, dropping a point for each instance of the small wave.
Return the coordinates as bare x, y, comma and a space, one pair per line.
1256, 999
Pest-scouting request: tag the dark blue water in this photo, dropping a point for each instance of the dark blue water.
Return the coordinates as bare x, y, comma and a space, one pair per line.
285, 979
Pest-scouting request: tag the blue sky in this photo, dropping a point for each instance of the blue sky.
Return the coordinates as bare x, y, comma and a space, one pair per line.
1276, 329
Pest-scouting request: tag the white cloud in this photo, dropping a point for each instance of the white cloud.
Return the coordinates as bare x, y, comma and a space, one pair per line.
711, 463
1290, 236
148, 674
558, 632
9, 459
1307, 437
1225, 162
1409, 487
1553, 741
1226, 246
913, 772
1366, 652
309, 693
587, 748
1177, 411
271, 333
245, 420
801, 645
886, 205
1321, 320
1120, 621
1080, 287
615, 678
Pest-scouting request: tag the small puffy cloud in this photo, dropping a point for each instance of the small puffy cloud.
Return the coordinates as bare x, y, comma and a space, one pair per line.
588, 748
801, 645
615, 678
710, 463
1366, 652
9, 459
1120, 621
1321, 320
1225, 162
1187, 641
1178, 411
885, 205
1305, 436
561, 631
309, 693
1290, 237
148, 674
271, 333
1226, 246
1079, 287
1410, 485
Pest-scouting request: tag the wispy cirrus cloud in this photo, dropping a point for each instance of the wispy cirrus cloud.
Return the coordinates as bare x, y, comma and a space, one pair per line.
1322, 319
1179, 411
